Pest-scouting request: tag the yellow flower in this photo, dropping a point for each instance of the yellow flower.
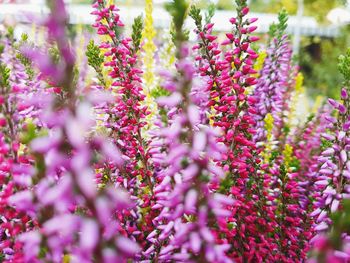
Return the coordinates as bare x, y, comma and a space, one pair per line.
287, 154
149, 48
260, 61
298, 90
269, 121
299, 82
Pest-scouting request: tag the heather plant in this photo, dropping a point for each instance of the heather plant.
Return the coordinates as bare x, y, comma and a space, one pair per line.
124, 148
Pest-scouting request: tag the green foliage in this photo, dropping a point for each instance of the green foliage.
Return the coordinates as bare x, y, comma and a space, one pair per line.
95, 60
344, 65
226, 184
278, 30
273, 157
24, 37
316, 8
10, 33
4, 75
295, 164
178, 11
318, 61
54, 54
159, 92
310, 117
75, 75
43, 251
325, 144
94, 56
210, 13
286, 129
137, 29
26, 62
341, 224
225, 5
195, 14
31, 132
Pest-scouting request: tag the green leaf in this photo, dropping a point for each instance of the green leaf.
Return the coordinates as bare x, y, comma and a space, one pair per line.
4, 75
54, 54
178, 11
278, 30
94, 56
210, 13
344, 65
195, 14
95, 60
137, 29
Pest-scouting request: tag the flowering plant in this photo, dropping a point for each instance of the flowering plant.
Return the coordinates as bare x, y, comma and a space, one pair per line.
167, 152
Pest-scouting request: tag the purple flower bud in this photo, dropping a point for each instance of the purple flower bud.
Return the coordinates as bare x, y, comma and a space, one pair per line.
341, 135
328, 136
344, 93
334, 206
333, 103
195, 242
321, 216
346, 174
190, 200
342, 109
341, 255
127, 246
346, 125
315, 212
89, 234
343, 156
322, 182
321, 226
329, 151
170, 101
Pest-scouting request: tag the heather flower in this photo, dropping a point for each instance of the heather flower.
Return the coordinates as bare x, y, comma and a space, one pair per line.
272, 85
66, 173
333, 175
167, 152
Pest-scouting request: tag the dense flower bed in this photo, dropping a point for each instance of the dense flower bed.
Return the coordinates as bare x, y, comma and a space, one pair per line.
176, 152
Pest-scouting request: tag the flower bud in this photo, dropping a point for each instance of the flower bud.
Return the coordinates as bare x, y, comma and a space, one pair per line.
344, 93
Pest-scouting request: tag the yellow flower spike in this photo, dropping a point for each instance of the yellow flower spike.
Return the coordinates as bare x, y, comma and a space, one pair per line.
299, 82
149, 48
257, 67
167, 52
269, 122
288, 155
299, 79
260, 61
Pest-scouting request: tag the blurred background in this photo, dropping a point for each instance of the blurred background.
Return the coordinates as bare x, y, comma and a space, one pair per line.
319, 29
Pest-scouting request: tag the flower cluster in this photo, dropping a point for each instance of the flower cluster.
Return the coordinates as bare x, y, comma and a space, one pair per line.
141, 151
